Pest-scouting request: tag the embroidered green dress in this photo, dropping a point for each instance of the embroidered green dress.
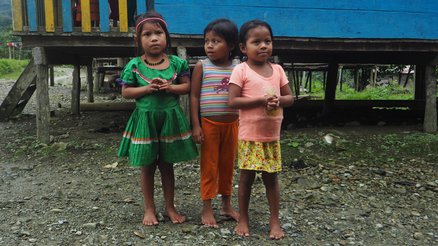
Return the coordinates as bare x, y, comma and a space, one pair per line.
157, 126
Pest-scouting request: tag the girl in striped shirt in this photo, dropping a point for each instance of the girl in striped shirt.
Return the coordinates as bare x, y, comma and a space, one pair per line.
214, 124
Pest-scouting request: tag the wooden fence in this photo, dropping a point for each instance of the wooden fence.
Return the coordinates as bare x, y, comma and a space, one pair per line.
63, 16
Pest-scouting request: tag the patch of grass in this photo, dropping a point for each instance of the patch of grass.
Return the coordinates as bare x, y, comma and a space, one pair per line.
11, 69
390, 92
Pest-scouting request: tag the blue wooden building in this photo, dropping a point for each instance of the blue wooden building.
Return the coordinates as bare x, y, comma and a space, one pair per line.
306, 31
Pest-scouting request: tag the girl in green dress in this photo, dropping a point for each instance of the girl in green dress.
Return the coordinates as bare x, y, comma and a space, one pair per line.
157, 133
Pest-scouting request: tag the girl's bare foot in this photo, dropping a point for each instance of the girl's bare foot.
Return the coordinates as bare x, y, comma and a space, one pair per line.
207, 217
149, 218
230, 212
276, 231
175, 217
242, 229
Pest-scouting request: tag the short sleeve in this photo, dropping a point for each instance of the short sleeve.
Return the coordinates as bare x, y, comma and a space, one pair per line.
181, 66
127, 76
283, 78
237, 76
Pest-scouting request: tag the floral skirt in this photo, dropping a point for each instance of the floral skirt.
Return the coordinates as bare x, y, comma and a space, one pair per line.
259, 156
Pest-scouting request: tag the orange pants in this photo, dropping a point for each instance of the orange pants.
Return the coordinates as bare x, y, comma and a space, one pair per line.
218, 152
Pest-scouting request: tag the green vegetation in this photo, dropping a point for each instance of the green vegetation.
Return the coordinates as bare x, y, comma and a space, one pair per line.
11, 69
388, 92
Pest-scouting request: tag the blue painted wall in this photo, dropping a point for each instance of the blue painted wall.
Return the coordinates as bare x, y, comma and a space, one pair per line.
369, 19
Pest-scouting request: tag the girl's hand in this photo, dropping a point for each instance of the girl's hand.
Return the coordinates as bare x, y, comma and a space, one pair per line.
272, 102
162, 84
198, 135
165, 86
151, 88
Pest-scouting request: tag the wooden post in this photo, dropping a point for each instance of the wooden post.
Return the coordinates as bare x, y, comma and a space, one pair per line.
330, 91
340, 78
184, 99
76, 90
420, 82
43, 105
430, 110
52, 75
90, 86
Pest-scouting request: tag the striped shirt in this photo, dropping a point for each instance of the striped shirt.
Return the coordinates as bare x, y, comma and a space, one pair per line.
214, 89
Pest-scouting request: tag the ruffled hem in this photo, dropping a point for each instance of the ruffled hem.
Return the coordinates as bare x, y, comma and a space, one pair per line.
153, 133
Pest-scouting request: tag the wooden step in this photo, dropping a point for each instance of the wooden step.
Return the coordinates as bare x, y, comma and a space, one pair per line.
20, 93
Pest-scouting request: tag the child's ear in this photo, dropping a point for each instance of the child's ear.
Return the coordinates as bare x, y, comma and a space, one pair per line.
135, 38
242, 48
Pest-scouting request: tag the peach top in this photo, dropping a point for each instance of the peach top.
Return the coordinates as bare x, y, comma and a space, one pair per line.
258, 124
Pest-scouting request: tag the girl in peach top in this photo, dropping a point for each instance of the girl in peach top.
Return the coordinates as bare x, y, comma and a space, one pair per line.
259, 89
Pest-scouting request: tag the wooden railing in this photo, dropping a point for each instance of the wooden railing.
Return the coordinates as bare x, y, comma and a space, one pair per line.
67, 16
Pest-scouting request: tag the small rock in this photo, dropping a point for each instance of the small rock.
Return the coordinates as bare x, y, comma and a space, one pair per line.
90, 225
418, 235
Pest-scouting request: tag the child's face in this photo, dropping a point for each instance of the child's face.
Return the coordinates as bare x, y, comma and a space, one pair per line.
153, 39
216, 47
258, 45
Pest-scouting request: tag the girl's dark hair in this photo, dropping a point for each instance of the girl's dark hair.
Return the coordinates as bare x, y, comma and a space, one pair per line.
228, 31
244, 29
158, 19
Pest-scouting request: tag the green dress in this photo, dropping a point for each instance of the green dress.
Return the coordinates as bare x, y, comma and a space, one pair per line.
157, 126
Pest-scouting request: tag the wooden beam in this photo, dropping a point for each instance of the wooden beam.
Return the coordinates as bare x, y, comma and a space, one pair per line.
32, 15
184, 99
17, 16
430, 110
85, 16
67, 22
104, 15
49, 14
330, 89
123, 15
43, 105
76, 90
90, 86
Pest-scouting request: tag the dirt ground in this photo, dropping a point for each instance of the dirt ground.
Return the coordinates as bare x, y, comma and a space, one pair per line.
350, 185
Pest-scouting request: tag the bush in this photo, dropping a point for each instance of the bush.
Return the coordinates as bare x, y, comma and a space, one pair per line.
10, 66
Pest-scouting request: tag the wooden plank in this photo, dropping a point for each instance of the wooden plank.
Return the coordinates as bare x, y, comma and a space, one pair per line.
32, 15
90, 84
27, 77
76, 90
17, 16
108, 106
311, 18
43, 105
430, 110
67, 22
104, 15
141, 6
49, 13
85, 16
123, 15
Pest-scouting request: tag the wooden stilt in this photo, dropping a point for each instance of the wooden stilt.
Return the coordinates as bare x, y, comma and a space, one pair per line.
184, 99
52, 75
430, 110
76, 90
90, 86
330, 91
43, 105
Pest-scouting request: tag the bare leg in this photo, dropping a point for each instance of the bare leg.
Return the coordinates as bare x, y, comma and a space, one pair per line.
245, 184
168, 182
227, 209
273, 194
147, 187
207, 215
